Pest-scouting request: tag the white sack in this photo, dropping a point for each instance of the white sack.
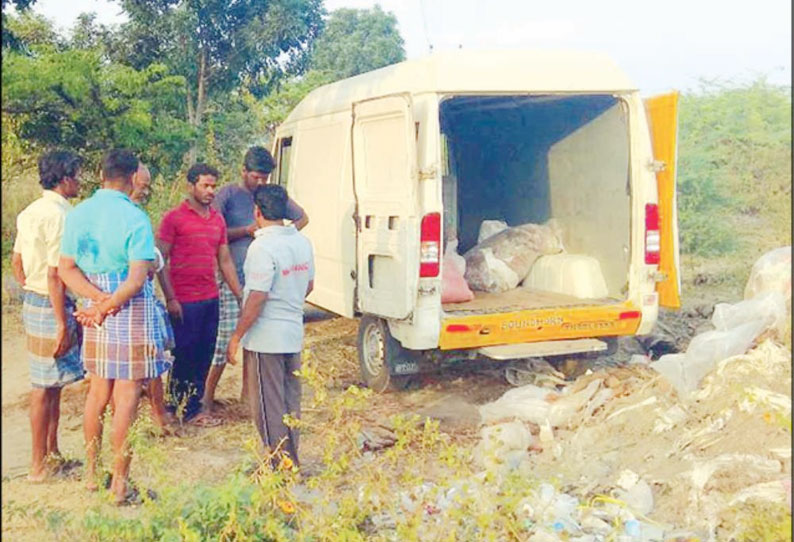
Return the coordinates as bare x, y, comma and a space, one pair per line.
489, 228
514, 248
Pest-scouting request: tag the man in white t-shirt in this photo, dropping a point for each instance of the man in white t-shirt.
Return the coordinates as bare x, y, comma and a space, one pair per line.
279, 274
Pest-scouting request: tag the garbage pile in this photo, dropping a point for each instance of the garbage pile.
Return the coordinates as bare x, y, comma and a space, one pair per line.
664, 451
500, 261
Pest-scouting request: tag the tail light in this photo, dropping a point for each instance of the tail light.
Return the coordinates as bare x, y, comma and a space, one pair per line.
430, 245
652, 235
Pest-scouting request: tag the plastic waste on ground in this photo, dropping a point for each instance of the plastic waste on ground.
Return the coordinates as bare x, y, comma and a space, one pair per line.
771, 272
501, 261
503, 446
453, 286
737, 328
539, 405
635, 492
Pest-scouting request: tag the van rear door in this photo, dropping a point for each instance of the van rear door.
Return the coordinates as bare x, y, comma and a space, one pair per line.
662, 113
385, 178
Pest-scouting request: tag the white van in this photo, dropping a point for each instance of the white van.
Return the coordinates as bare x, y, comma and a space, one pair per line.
391, 163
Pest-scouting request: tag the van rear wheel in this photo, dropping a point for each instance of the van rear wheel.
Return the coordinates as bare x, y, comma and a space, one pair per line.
377, 353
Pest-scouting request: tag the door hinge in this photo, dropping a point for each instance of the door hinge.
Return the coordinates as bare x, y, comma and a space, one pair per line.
428, 173
427, 290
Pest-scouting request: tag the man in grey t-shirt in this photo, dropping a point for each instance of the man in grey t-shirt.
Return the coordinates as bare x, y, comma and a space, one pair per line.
236, 203
279, 273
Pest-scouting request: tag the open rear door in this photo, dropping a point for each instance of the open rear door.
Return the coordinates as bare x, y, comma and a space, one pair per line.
385, 178
662, 113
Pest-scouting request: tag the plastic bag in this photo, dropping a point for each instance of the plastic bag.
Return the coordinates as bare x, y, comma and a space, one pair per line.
503, 446
453, 286
489, 228
685, 371
771, 272
526, 403
737, 325
517, 248
768, 306
539, 405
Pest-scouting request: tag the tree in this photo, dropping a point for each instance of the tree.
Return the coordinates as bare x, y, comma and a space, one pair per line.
353, 41
75, 99
356, 41
221, 45
19, 31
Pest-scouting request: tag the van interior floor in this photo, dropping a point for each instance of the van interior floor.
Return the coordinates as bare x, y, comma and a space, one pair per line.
519, 299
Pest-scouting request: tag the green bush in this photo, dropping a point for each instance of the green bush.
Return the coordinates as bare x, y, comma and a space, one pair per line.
734, 167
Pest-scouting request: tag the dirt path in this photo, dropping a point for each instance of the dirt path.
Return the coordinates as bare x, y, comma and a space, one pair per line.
15, 391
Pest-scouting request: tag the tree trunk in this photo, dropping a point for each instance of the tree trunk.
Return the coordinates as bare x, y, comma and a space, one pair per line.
200, 98
195, 114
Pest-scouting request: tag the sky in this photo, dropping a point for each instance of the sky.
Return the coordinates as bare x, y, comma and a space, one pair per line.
665, 45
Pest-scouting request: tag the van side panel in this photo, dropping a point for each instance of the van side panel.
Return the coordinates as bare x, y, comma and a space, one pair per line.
320, 180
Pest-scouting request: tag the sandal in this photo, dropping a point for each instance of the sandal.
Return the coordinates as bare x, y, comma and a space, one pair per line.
133, 497
205, 420
67, 468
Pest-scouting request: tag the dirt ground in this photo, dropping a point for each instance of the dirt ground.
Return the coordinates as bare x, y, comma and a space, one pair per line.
209, 455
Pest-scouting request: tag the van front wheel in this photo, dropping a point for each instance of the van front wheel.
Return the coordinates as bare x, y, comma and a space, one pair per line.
377, 353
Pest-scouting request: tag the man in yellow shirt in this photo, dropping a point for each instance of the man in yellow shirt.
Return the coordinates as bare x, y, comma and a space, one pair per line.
51, 331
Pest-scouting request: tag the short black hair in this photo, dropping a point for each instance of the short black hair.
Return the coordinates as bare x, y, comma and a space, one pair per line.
199, 169
57, 165
259, 159
119, 164
271, 199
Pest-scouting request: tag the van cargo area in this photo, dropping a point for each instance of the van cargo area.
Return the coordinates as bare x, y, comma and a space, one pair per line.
530, 158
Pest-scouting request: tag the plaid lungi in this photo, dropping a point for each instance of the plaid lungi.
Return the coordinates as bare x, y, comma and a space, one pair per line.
165, 322
129, 345
41, 329
227, 322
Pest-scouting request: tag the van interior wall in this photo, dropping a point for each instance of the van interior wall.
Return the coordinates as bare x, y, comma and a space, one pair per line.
526, 159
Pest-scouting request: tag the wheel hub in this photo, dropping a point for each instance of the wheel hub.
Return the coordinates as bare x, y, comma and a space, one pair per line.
374, 349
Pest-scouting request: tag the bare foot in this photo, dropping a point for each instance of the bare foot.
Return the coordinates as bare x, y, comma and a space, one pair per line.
204, 419
38, 476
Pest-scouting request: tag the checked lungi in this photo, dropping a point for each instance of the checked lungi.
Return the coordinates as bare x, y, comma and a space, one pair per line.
41, 330
129, 345
227, 322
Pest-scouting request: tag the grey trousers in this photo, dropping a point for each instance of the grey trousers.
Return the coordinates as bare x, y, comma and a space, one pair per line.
273, 391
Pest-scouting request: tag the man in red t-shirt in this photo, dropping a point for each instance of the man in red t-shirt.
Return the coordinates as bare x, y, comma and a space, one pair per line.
193, 241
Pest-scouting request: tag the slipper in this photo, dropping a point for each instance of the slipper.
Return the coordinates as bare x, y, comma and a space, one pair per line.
205, 420
68, 467
133, 497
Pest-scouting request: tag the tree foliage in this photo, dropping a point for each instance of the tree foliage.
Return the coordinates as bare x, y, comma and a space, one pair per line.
218, 46
9, 38
354, 41
357, 41
72, 98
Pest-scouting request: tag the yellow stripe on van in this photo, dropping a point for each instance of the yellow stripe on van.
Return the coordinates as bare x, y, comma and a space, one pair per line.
539, 325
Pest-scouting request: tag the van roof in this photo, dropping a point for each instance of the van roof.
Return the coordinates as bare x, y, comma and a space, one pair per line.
465, 71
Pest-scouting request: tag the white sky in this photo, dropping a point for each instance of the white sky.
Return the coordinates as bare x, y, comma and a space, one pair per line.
664, 47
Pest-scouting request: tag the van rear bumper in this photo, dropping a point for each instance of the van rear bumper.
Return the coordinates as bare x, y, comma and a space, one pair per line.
542, 349
539, 325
